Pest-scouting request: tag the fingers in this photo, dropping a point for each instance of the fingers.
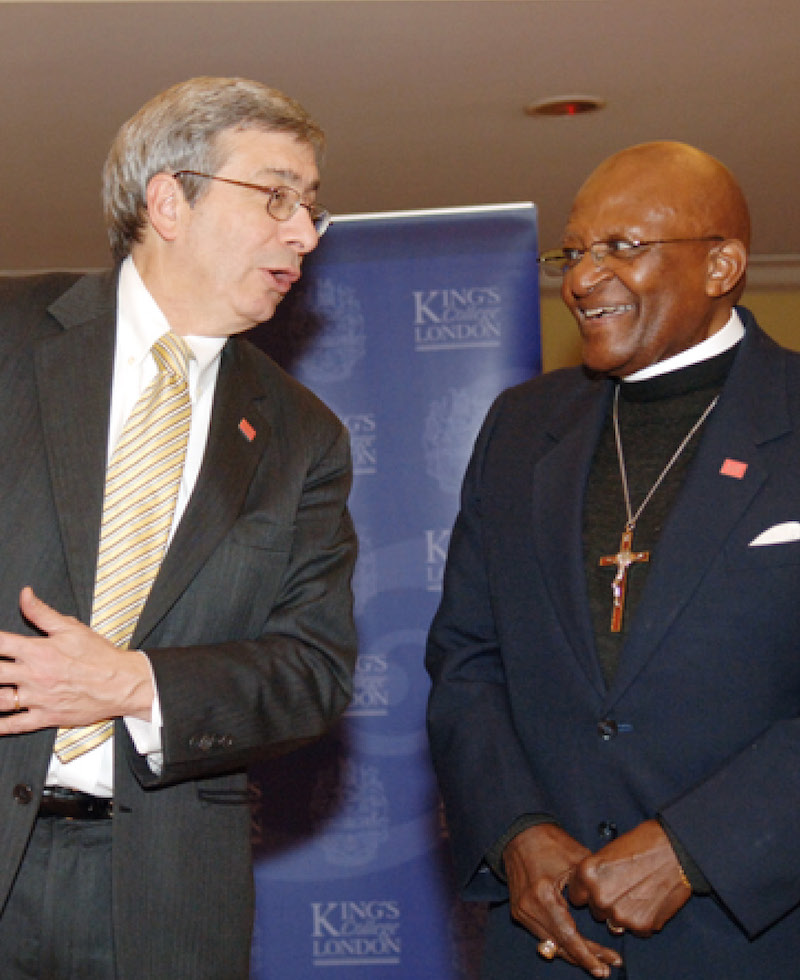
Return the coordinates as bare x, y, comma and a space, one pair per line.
15, 716
647, 907
608, 957
634, 883
548, 949
24, 721
10, 700
593, 957
37, 612
29, 603
545, 914
579, 893
539, 862
67, 675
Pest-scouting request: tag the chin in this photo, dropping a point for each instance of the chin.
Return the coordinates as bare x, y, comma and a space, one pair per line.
260, 312
600, 361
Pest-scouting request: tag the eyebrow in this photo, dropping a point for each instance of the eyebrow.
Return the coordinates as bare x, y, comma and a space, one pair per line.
290, 176
608, 237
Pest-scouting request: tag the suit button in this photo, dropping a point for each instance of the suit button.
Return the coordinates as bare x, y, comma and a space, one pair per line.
607, 729
205, 743
22, 793
607, 830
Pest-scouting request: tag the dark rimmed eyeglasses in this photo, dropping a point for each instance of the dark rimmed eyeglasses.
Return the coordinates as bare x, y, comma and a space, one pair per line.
282, 202
558, 261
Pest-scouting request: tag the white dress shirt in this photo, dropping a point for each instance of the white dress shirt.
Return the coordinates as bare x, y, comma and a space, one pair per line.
140, 323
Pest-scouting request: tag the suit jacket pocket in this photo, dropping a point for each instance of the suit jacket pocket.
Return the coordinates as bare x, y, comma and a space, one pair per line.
228, 797
741, 556
234, 592
257, 531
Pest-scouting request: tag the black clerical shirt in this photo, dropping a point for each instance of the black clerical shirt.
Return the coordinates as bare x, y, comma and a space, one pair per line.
654, 417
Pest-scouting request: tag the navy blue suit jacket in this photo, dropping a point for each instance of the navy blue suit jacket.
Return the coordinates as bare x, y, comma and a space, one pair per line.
706, 701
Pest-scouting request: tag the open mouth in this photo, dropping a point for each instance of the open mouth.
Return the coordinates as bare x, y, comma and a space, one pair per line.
597, 312
284, 278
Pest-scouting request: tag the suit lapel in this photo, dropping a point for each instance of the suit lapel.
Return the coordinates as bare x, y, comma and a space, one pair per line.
752, 409
238, 436
558, 498
73, 371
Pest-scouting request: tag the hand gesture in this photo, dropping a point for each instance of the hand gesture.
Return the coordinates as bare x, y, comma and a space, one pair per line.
539, 863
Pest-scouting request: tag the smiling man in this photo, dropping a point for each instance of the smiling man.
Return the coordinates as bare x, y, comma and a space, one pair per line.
662, 297
177, 550
614, 709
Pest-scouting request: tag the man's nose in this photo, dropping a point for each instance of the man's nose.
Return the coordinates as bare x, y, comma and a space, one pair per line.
590, 269
300, 233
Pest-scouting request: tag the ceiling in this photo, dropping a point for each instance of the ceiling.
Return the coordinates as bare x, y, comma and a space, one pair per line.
423, 101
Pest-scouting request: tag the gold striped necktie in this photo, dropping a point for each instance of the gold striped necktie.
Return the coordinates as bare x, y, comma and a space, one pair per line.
142, 483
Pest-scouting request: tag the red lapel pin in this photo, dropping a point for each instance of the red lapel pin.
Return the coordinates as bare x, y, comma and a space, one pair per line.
247, 430
734, 468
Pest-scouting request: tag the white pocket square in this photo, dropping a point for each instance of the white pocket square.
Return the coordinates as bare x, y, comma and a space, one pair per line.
778, 534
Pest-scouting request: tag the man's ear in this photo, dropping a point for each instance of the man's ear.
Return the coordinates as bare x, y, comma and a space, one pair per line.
727, 263
164, 197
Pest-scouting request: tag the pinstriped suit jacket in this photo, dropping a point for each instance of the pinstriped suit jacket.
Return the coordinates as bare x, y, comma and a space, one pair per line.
248, 624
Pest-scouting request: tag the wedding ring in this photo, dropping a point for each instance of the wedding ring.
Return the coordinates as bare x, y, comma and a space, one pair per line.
614, 929
16, 700
547, 948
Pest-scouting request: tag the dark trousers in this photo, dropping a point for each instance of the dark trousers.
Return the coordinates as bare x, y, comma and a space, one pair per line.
57, 922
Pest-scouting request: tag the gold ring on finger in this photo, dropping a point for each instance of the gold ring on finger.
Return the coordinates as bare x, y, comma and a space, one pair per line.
547, 948
614, 929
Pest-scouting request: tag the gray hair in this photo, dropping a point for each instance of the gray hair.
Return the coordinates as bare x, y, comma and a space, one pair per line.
178, 130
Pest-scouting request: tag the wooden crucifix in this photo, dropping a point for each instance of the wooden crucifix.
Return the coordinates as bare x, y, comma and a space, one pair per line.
623, 560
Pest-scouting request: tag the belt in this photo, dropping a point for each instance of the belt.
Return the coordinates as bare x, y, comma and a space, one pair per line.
72, 805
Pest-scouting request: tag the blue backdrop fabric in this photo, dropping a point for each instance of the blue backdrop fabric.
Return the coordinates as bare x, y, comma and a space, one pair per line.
407, 325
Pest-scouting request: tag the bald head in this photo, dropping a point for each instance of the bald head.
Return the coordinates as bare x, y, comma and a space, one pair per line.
685, 224
701, 192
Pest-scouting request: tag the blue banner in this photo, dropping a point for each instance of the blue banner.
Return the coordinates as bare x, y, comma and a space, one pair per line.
407, 325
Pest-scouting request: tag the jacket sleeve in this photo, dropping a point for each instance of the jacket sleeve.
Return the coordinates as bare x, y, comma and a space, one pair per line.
740, 826
272, 610
483, 775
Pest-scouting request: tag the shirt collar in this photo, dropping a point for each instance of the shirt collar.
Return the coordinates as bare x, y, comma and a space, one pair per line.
140, 323
717, 343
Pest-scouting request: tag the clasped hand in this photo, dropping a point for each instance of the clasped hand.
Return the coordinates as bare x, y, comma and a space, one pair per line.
68, 676
634, 883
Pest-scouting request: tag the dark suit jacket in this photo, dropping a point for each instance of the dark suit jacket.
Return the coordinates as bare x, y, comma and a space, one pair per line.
704, 708
248, 625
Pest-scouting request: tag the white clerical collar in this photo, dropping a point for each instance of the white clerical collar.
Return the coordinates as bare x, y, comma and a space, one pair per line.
717, 343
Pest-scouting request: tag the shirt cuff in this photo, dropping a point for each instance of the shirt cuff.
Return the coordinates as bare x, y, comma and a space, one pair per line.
494, 856
146, 735
698, 881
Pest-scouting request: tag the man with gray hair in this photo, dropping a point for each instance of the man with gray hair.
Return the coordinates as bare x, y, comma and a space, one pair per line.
177, 550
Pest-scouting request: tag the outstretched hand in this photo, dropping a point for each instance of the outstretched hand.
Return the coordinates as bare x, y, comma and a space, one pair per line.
68, 676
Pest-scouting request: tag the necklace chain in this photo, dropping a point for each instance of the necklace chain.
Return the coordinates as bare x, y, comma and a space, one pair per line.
633, 518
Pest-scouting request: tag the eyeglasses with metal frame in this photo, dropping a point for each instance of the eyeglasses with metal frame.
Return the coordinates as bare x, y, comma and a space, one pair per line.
558, 261
282, 202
